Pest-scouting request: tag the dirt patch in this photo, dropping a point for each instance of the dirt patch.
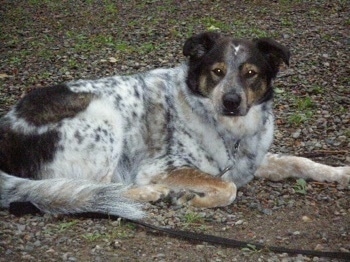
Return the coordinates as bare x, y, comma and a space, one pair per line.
48, 42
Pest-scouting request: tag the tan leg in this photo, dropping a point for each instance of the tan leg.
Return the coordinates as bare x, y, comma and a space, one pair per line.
148, 193
191, 186
206, 190
278, 167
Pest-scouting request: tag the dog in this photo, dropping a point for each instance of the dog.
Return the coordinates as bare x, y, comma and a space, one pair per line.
196, 132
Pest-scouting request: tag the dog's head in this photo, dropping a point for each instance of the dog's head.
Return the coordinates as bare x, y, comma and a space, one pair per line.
235, 74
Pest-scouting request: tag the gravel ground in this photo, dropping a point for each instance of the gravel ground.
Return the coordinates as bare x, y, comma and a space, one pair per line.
47, 42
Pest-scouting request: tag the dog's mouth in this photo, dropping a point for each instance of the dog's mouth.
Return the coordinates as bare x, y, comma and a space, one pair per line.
235, 113
231, 113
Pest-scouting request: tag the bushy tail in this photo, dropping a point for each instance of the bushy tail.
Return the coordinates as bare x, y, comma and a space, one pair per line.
68, 196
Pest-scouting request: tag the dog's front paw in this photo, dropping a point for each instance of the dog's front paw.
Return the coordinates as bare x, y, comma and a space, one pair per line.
149, 193
344, 175
183, 197
213, 197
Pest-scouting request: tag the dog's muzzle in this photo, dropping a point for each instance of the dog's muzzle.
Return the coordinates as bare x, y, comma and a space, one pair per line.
231, 103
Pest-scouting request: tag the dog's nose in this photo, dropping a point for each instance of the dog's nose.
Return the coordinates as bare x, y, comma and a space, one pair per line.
231, 102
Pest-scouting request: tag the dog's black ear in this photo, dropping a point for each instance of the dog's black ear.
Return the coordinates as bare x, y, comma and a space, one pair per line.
275, 52
198, 45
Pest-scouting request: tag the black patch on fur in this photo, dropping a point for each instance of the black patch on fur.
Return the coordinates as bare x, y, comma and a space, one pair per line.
169, 127
267, 96
23, 154
137, 94
51, 104
197, 48
23, 208
274, 53
268, 55
79, 137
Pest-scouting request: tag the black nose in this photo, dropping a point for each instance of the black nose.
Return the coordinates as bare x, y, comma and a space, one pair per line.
231, 102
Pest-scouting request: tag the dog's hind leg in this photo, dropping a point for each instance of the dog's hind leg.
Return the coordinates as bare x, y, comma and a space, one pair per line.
278, 167
187, 185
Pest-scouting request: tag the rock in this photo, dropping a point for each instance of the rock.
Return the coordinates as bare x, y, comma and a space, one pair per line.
296, 134
306, 219
239, 222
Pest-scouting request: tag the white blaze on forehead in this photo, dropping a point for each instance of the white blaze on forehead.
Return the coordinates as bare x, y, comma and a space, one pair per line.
236, 47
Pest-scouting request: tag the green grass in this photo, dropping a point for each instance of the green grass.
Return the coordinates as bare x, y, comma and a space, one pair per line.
341, 109
347, 22
110, 6
92, 237
15, 60
251, 249
146, 48
44, 75
191, 218
104, 40
347, 133
242, 29
66, 225
316, 90
215, 25
300, 186
304, 111
123, 231
124, 47
82, 43
46, 54
61, 227
304, 103
299, 118
73, 63
286, 22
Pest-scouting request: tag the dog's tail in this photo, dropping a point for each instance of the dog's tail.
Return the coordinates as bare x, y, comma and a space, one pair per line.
68, 196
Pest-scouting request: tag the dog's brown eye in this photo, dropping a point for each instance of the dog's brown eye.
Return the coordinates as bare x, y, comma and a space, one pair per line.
250, 73
219, 72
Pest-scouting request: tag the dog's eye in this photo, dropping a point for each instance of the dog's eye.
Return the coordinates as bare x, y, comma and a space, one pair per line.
251, 73
219, 72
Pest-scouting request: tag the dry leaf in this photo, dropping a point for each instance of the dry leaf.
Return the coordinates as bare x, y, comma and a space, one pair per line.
3, 75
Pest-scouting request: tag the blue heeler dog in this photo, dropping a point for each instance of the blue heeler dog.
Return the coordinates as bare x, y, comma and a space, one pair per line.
195, 132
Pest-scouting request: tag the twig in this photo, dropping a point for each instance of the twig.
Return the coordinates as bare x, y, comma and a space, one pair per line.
319, 153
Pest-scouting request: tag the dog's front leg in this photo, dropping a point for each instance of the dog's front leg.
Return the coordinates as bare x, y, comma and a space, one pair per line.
199, 189
187, 185
278, 167
148, 193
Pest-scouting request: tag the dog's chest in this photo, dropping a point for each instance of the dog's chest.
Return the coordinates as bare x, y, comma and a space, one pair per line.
197, 142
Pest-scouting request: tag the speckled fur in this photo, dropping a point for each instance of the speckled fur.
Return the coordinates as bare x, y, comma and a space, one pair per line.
99, 145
